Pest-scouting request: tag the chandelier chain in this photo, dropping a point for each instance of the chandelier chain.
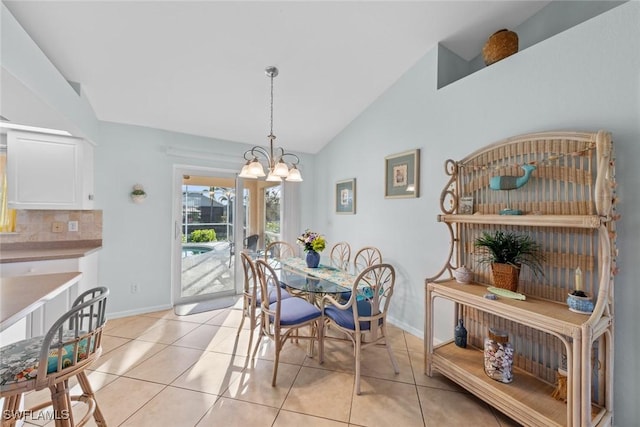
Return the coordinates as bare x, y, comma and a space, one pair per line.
271, 107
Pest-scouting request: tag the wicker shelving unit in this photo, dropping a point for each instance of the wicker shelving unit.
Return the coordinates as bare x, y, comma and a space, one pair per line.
569, 208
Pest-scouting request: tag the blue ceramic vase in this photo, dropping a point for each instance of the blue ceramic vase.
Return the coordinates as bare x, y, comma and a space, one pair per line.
460, 334
313, 259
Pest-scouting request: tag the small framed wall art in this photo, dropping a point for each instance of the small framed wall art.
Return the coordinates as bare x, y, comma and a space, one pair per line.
465, 205
346, 196
402, 174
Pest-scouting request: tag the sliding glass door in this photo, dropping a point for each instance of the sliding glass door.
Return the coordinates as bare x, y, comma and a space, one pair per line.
213, 214
206, 219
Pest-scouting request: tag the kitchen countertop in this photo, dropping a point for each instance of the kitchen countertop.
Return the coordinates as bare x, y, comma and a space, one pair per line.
42, 251
22, 295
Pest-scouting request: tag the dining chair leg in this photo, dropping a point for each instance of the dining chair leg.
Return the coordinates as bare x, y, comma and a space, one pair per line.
276, 361
245, 312
320, 329
252, 323
396, 369
258, 340
248, 310
358, 343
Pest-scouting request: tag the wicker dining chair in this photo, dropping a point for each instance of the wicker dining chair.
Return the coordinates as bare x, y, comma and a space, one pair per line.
340, 255
71, 345
281, 319
366, 257
364, 314
279, 249
276, 251
251, 297
250, 244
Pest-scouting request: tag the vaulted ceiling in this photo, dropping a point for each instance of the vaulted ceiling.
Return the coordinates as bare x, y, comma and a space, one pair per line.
198, 66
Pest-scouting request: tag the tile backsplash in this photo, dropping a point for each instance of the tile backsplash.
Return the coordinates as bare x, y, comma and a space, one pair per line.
38, 225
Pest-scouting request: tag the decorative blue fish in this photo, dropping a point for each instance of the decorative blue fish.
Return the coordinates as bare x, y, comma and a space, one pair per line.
511, 182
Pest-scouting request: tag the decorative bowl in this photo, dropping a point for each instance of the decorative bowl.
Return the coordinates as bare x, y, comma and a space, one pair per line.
462, 274
579, 304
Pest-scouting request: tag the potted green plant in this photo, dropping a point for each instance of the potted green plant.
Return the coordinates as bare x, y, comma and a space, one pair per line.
507, 252
138, 194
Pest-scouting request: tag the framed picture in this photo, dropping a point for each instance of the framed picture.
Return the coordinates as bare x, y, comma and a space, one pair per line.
346, 196
465, 206
402, 174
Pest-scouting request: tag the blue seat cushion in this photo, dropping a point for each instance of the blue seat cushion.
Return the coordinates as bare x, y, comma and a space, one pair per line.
344, 318
296, 310
344, 296
20, 360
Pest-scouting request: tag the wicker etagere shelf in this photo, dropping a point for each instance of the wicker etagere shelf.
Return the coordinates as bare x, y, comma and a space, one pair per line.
568, 207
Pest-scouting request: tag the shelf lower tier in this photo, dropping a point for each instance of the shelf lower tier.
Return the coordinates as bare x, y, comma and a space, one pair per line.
527, 399
544, 315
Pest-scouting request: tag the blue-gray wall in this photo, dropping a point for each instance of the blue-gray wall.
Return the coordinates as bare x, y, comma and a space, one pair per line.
585, 78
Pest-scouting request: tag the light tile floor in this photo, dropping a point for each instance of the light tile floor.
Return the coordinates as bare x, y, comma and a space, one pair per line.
160, 369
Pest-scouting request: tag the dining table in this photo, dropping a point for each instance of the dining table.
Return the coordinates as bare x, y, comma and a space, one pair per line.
314, 283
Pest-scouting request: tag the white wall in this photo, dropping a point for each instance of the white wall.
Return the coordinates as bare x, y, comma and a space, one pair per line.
40, 94
586, 78
137, 237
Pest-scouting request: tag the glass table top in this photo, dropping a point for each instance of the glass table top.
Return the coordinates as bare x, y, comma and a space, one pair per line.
324, 279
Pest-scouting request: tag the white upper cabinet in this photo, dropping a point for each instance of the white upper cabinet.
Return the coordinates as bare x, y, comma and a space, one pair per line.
49, 172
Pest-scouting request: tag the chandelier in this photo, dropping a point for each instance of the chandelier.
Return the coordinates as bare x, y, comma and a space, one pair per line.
276, 165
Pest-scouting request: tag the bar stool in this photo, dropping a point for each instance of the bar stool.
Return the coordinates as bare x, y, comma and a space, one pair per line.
49, 361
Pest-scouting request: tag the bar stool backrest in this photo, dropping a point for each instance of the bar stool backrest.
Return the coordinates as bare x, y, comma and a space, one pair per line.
75, 340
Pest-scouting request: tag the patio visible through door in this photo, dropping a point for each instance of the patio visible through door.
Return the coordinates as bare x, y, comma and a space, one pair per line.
205, 232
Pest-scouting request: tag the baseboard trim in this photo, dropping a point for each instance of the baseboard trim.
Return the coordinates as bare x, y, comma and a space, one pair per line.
137, 311
202, 306
406, 327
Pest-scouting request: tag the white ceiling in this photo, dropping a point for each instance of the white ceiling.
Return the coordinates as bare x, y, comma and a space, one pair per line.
198, 66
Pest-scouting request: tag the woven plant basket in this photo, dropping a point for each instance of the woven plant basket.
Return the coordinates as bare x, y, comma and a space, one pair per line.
501, 44
505, 276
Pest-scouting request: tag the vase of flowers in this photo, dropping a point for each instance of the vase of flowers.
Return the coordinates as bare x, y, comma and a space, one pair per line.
312, 243
313, 259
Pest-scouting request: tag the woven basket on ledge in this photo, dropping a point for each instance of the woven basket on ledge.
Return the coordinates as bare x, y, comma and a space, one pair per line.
505, 276
501, 44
